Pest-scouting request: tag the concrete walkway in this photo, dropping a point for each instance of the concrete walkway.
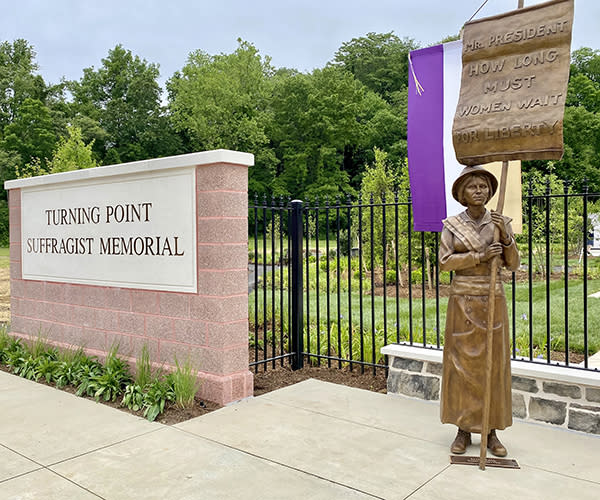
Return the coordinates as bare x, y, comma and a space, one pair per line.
313, 440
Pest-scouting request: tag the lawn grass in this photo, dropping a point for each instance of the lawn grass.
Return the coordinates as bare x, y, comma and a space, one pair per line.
4, 257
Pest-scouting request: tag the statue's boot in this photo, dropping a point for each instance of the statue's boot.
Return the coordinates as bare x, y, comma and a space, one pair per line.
460, 443
495, 446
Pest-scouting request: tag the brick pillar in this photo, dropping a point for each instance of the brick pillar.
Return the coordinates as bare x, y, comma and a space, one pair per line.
222, 301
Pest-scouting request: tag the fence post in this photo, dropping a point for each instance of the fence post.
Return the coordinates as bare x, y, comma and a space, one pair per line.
296, 320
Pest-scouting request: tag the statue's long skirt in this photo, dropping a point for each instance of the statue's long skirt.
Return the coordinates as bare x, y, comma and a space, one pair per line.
464, 373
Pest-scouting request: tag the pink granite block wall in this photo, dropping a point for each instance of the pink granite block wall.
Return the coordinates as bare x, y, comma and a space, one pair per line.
222, 201
210, 327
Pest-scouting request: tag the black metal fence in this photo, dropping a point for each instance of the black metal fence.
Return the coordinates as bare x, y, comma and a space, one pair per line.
332, 283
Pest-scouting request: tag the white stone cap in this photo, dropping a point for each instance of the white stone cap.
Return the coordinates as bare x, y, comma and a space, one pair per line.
187, 160
543, 370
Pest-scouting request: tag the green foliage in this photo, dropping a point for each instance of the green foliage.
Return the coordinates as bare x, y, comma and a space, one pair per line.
143, 367
222, 102
114, 378
31, 132
31, 169
85, 378
4, 228
185, 383
69, 370
159, 392
123, 98
377, 188
133, 397
581, 125
18, 80
321, 129
378, 60
72, 153
556, 218
150, 392
5, 341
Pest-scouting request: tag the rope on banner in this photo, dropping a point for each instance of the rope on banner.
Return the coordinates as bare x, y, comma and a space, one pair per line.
418, 85
480, 7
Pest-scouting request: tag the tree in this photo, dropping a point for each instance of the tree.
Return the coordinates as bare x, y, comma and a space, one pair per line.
31, 133
10, 161
581, 124
322, 131
586, 61
222, 101
72, 153
378, 60
581, 130
18, 80
123, 97
540, 186
378, 186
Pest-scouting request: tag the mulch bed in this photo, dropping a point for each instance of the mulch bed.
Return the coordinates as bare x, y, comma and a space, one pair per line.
272, 379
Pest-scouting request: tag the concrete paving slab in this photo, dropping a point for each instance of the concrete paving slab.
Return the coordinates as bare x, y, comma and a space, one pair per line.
355, 454
171, 464
531, 444
593, 361
465, 482
48, 425
558, 450
381, 411
310, 440
43, 484
12, 464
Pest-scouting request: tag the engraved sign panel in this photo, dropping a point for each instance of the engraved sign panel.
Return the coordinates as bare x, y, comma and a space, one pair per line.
133, 231
514, 85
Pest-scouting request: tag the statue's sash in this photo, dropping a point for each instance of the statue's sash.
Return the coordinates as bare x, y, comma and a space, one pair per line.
464, 232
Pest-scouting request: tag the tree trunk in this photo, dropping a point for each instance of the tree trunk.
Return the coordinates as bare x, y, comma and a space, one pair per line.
428, 266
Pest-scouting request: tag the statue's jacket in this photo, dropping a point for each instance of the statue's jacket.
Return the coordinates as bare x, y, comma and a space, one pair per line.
463, 241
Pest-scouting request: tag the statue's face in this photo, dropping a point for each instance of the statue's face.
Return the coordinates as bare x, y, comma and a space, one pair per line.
477, 191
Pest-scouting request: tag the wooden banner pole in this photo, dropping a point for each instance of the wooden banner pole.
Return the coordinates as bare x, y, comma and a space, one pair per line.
487, 393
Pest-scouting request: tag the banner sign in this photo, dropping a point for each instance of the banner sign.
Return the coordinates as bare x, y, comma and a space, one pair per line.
515, 71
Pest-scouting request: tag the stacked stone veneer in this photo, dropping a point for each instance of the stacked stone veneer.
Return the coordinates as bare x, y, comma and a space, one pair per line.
209, 327
548, 394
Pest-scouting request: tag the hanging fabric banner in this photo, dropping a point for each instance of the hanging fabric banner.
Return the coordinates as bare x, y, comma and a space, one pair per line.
515, 71
433, 87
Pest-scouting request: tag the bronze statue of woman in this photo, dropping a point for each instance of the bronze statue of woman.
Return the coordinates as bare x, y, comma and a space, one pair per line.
467, 248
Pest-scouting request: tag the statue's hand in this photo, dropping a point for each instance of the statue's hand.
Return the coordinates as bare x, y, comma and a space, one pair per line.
500, 224
490, 252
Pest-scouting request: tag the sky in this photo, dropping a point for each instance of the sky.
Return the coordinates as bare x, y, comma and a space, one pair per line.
70, 35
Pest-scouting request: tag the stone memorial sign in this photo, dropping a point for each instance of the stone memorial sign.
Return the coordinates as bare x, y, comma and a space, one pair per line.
151, 254
515, 70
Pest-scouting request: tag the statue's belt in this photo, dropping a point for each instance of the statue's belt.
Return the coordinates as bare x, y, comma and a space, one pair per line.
474, 285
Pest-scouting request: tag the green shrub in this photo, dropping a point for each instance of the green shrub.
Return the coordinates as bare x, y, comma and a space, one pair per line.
390, 276
159, 392
185, 384
133, 397
416, 276
114, 377
143, 368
